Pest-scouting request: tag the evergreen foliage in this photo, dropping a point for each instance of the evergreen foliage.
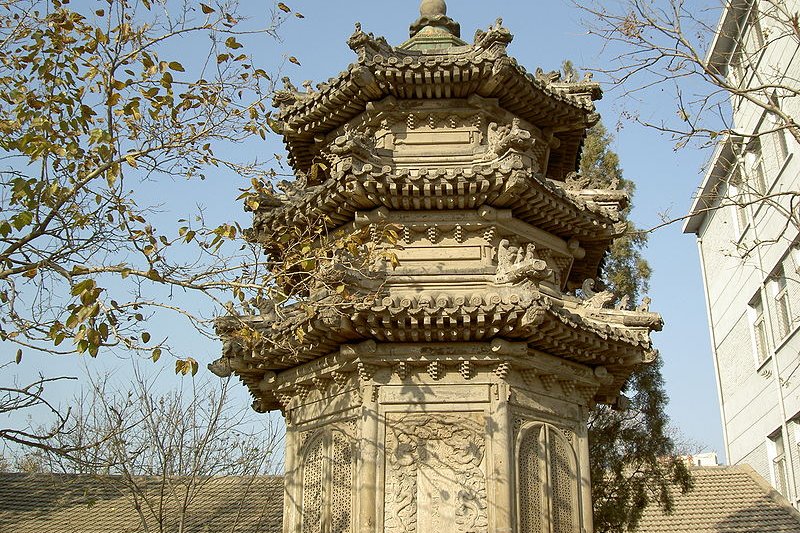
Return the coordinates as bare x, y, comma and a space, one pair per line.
624, 270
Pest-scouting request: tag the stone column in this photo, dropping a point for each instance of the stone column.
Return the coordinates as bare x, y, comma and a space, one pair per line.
367, 476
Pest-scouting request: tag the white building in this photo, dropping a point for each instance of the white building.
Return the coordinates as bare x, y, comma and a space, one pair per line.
745, 217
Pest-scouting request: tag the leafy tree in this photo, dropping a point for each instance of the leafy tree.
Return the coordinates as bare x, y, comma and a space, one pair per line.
625, 271
94, 106
633, 456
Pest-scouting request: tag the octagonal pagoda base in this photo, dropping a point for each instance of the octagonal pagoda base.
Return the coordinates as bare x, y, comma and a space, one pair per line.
445, 437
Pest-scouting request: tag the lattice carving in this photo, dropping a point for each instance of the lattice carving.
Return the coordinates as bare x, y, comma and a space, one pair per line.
313, 472
328, 472
435, 468
341, 484
530, 482
563, 493
547, 480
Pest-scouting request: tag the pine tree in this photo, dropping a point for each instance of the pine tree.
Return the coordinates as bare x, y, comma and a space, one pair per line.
633, 457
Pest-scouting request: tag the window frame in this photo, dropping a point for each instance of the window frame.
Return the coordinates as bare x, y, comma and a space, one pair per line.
546, 436
758, 329
326, 439
739, 199
783, 310
778, 463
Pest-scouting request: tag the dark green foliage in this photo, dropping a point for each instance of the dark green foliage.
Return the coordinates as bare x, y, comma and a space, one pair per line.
633, 457
624, 270
633, 460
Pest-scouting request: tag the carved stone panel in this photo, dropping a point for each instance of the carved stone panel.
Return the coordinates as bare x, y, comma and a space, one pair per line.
435, 473
313, 485
548, 481
530, 482
328, 466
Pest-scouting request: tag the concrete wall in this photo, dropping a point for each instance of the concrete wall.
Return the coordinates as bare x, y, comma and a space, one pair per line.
759, 398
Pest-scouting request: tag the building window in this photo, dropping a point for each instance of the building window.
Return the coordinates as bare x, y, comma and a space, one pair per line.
781, 144
748, 50
754, 36
779, 135
328, 471
782, 309
754, 168
759, 327
739, 198
547, 478
777, 455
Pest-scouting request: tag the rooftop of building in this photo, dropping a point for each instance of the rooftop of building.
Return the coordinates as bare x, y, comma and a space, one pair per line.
60, 503
732, 499
725, 499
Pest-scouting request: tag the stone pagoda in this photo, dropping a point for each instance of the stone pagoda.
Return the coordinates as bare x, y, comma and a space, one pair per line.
447, 387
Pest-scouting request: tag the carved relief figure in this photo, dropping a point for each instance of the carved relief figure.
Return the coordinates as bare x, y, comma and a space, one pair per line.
435, 473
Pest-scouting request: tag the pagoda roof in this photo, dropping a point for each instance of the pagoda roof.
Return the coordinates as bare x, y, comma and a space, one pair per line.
575, 330
532, 198
483, 68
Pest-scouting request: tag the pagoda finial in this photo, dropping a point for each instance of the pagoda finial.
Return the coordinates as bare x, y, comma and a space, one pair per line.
432, 8
433, 15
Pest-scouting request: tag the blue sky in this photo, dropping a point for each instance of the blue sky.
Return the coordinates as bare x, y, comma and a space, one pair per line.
546, 32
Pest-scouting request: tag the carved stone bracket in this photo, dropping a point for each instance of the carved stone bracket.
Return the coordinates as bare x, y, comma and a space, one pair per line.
436, 370
520, 264
594, 299
465, 369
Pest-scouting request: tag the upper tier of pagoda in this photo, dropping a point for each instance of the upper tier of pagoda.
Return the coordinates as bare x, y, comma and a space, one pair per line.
435, 64
437, 124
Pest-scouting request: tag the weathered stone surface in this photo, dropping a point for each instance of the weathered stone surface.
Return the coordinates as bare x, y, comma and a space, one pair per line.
447, 387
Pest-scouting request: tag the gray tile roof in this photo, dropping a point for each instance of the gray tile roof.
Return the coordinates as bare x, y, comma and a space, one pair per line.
51, 503
724, 500
727, 499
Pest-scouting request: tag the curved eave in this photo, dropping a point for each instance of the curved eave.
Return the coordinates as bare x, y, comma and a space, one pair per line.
536, 201
409, 75
544, 323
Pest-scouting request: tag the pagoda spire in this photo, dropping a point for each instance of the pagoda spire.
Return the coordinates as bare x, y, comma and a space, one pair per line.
434, 29
432, 8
